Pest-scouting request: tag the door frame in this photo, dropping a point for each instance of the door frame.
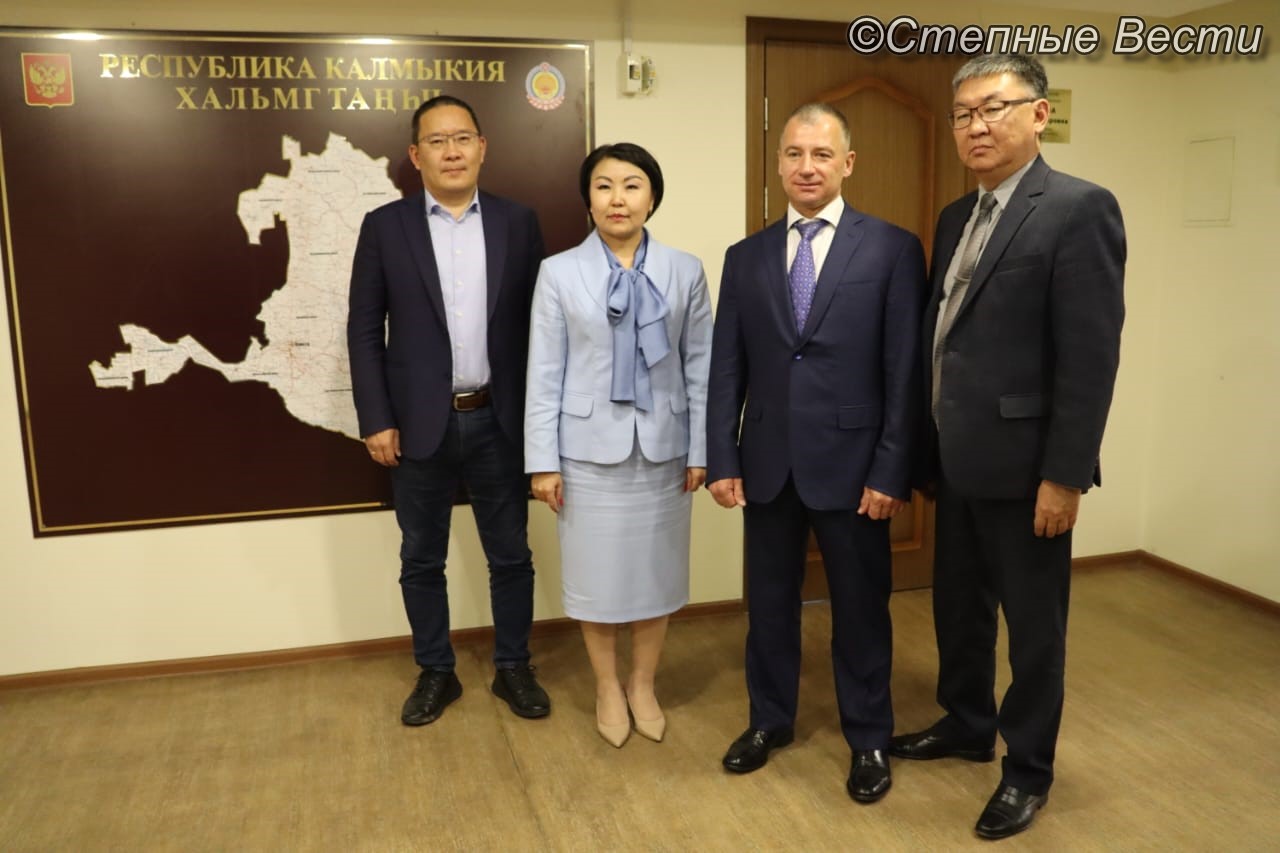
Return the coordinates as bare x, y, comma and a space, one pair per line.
759, 32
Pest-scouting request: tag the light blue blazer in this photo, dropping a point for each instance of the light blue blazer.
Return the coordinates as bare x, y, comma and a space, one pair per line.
567, 407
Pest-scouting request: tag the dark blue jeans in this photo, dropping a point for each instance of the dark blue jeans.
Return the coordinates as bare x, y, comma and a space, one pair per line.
476, 453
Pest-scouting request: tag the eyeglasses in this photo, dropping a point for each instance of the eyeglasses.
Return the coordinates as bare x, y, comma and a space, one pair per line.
438, 141
990, 113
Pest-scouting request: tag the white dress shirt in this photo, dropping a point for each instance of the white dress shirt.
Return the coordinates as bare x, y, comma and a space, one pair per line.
821, 241
461, 263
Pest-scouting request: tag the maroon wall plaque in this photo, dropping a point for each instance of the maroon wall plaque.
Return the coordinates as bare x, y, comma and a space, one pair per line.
180, 212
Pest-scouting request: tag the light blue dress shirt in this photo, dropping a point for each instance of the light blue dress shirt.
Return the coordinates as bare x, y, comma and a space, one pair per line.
460, 262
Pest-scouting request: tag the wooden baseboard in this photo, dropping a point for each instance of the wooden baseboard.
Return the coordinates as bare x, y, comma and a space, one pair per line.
190, 666
1107, 561
1123, 559
1219, 586
307, 654
543, 628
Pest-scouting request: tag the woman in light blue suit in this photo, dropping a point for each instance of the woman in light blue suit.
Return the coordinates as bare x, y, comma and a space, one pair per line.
615, 418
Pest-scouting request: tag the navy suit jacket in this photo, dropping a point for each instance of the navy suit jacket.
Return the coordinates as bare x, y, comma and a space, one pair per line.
1030, 362
836, 404
397, 336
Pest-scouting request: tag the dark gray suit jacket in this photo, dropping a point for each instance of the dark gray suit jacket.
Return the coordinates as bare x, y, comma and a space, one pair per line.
1030, 362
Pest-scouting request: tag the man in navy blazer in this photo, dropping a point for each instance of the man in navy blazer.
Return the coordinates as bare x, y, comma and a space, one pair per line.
438, 331
1023, 332
813, 407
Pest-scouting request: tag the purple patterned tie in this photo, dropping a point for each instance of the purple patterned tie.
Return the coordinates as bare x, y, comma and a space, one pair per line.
803, 276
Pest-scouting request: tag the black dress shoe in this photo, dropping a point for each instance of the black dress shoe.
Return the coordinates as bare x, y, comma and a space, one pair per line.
869, 777
427, 702
1008, 812
518, 688
751, 750
935, 742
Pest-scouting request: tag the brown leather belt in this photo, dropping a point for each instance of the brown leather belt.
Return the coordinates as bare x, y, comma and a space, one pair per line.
469, 401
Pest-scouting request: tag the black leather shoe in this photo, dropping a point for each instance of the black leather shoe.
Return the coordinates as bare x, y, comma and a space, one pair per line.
869, 777
751, 750
427, 702
934, 742
518, 688
1008, 812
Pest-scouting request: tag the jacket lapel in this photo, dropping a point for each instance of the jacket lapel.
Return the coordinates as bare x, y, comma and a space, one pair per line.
418, 237
1024, 200
495, 245
594, 268
947, 241
777, 289
843, 245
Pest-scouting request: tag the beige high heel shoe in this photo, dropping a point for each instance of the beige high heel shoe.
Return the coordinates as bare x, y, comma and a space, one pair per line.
654, 729
615, 734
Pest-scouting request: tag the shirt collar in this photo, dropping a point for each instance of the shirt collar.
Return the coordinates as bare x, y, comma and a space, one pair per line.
830, 214
1004, 191
434, 206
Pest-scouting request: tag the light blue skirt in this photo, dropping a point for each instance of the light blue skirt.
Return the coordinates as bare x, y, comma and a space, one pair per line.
624, 539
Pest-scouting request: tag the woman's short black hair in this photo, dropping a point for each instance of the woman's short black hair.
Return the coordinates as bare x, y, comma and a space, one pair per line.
628, 152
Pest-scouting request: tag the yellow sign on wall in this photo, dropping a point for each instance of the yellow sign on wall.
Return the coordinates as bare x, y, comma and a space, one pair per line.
1059, 128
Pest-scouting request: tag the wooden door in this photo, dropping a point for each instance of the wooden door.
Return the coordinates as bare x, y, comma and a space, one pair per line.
906, 171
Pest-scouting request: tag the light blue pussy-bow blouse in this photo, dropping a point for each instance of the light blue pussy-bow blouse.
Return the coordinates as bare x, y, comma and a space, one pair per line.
637, 312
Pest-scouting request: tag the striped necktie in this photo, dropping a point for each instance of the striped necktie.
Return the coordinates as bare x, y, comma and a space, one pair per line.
955, 297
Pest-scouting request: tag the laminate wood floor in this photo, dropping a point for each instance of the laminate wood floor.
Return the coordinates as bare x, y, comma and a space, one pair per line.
1170, 741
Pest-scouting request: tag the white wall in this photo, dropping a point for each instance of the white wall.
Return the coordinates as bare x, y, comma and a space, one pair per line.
148, 595
1213, 490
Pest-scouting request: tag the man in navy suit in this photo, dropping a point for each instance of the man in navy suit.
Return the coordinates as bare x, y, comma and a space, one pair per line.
1023, 331
817, 334
438, 332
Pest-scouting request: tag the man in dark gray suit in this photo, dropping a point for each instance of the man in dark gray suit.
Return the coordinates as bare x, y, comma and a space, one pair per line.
1023, 332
